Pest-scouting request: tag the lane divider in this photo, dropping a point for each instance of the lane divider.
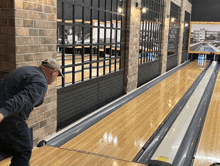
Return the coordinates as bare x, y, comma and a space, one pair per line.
146, 153
187, 149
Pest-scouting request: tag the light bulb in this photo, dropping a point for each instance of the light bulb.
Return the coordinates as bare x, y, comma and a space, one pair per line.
144, 10
172, 19
119, 10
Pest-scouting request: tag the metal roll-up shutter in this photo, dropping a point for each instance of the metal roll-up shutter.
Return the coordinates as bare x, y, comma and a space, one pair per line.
77, 101
171, 61
148, 71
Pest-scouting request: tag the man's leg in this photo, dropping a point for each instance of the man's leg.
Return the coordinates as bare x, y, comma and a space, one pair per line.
19, 139
22, 145
4, 146
4, 150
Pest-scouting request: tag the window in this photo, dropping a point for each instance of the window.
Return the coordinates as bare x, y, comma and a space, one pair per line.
90, 38
174, 29
186, 31
151, 31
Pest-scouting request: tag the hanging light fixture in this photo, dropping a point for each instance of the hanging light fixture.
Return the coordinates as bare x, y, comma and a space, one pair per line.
173, 19
144, 9
120, 5
186, 24
120, 10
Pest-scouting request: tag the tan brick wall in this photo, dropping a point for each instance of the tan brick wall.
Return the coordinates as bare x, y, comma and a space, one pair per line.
184, 6
165, 33
132, 46
188, 7
181, 31
177, 2
7, 37
35, 40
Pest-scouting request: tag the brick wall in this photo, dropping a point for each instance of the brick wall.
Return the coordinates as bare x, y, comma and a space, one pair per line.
177, 2
188, 7
132, 46
35, 40
185, 6
165, 33
7, 37
181, 31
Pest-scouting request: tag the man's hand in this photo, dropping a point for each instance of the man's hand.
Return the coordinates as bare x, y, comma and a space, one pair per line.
1, 117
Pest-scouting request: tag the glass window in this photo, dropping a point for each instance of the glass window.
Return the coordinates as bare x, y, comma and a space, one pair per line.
174, 27
186, 31
90, 43
150, 31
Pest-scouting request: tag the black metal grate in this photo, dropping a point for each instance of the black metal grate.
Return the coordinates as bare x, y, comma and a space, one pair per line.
151, 31
91, 38
173, 39
76, 101
186, 31
172, 61
185, 56
148, 71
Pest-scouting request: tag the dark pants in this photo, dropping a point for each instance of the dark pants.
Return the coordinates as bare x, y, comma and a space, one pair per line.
15, 140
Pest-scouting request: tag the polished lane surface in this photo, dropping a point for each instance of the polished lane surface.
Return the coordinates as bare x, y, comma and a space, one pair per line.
52, 156
124, 132
208, 150
172, 141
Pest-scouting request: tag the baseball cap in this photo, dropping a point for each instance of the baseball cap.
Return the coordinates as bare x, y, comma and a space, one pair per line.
52, 64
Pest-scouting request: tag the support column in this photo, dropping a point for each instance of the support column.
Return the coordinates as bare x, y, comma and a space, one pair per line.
165, 35
132, 45
181, 31
35, 40
7, 38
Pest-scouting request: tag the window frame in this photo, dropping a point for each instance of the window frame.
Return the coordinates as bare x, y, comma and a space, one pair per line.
113, 49
151, 31
174, 28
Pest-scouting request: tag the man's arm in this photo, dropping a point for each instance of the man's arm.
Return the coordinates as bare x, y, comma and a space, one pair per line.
26, 99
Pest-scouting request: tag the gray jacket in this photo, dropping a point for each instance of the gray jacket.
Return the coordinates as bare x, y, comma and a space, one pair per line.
23, 89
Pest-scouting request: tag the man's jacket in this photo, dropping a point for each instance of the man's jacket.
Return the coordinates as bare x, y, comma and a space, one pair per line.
23, 89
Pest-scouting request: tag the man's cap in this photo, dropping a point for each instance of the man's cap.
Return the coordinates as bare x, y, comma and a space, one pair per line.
52, 64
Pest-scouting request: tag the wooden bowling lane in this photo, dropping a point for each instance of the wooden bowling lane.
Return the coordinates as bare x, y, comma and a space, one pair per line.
208, 150
7, 161
78, 75
79, 59
51, 156
124, 132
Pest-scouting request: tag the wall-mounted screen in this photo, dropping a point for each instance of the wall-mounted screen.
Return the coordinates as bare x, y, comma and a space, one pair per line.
204, 37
